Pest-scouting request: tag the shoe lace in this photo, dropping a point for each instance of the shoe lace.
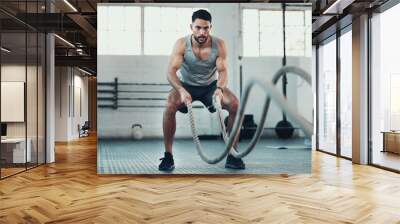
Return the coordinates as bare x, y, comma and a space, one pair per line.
165, 158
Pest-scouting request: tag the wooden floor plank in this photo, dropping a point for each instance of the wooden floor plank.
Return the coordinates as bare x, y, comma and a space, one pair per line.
70, 191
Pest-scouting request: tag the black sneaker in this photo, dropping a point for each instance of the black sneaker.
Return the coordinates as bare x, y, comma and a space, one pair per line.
234, 163
167, 163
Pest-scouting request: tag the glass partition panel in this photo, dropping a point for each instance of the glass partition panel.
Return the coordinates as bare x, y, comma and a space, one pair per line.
41, 79
14, 150
346, 94
31, 97
327, 97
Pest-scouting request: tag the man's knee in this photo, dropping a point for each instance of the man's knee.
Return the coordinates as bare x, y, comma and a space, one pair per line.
170, 108
233, 106
171, 105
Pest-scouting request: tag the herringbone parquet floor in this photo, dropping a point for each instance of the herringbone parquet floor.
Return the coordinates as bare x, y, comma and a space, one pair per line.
70, 191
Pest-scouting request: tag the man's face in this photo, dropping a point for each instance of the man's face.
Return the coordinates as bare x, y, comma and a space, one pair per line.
201, 30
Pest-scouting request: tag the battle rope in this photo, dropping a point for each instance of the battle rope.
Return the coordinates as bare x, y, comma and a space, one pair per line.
272, 92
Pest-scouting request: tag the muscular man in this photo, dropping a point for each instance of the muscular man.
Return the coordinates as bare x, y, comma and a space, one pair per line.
192, 72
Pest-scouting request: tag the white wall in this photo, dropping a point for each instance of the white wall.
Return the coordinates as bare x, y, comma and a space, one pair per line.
16, 73
61, 103
68, 81
226, 21
79, 115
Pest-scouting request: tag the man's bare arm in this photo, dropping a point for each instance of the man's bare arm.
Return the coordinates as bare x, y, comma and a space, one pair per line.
175, 63
222, 65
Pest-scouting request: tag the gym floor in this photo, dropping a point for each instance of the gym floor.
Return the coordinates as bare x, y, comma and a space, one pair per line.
142, 157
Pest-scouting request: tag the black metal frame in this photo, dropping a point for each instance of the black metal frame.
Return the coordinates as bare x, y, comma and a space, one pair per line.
369, 78
338, 98
0, 90
44, 74
26, 88
113, 100
316, 97
45, 90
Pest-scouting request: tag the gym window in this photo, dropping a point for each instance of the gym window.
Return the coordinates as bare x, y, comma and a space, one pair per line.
124, 30
163, 26
263, 33
119, 30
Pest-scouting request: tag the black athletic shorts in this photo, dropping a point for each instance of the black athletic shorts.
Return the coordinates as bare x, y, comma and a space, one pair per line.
203, 94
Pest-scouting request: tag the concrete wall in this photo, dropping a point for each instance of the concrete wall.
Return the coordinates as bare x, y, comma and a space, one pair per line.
226, 25
71, 87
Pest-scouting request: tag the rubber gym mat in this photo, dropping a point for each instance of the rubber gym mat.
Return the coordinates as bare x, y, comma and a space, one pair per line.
142, 157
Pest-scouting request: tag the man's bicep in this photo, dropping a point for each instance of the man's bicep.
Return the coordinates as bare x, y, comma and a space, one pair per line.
222, 57
175, 64
221, 64
176, 57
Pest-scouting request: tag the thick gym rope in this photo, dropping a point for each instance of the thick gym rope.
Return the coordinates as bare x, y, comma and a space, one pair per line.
272, 92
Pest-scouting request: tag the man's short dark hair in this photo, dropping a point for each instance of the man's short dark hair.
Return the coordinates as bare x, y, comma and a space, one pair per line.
201, 14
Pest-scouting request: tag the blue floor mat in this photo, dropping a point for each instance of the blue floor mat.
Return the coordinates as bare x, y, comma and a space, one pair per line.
142, 157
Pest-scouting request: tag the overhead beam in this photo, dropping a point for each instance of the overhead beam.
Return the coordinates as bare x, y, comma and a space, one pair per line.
331, 30
320, 22
49, 22
337, 7
83, 23
84, 61
62, 6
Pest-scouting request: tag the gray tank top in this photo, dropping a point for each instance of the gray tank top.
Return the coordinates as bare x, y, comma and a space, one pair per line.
197, 72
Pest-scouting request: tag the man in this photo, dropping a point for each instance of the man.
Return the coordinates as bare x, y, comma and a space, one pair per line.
192, 72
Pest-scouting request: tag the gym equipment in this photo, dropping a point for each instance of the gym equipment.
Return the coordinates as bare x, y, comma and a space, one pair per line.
284, 129
120, 95
83, 130
272, 92
248, 128
137, 132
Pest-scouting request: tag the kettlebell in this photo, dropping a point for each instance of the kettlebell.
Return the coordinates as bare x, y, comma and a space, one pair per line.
137, 132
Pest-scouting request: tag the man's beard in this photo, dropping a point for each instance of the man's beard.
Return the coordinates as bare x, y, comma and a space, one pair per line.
201, 39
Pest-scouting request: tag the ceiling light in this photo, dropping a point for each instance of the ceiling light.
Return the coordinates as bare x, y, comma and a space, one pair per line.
5, 50
70, 5
64, 40
84, 71
79, 51
335, 7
